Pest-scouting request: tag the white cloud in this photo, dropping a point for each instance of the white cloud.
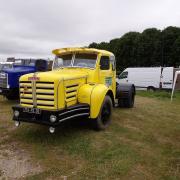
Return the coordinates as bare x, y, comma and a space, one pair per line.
33, 28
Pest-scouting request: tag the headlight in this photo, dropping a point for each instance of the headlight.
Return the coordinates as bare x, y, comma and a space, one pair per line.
53, 118
16, 113
17, 123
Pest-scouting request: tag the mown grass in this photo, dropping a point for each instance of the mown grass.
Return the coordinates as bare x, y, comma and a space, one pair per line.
141, 143
163, 95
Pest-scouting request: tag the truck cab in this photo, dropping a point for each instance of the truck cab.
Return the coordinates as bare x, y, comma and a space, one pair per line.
82, 84
9, 75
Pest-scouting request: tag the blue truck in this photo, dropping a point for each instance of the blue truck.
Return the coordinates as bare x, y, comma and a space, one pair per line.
9, 77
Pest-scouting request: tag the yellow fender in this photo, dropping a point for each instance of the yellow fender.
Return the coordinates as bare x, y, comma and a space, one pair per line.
94, 96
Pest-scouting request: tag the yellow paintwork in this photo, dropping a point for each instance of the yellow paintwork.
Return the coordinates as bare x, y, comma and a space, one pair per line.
94, 96
82, 50
65, 87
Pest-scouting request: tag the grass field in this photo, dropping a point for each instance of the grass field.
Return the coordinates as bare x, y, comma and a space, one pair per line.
141, 143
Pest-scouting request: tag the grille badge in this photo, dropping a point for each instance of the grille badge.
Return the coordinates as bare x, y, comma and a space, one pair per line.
34, 78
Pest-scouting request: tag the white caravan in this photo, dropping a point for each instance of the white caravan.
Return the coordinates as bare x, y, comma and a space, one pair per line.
150, 78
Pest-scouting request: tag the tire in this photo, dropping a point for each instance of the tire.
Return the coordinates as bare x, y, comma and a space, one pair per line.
13, 94
151, 89
121, 102
127, 102
104, 118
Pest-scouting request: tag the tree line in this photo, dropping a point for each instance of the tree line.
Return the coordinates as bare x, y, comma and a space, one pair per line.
150, 48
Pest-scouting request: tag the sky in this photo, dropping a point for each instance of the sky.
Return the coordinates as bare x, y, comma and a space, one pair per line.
33, 28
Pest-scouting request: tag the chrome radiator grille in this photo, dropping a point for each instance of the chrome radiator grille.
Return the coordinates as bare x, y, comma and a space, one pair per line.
37, 94
3, 80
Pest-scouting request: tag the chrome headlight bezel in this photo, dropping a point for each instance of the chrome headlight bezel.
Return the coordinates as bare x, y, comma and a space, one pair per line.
53, 118
16, 113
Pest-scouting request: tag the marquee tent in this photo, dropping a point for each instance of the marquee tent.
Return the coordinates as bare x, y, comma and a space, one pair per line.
176, 83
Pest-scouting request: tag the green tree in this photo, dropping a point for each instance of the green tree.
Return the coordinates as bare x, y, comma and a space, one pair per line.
152, 47
169, 36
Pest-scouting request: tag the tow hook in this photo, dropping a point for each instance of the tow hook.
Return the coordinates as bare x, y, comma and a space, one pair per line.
17, 123
52, 130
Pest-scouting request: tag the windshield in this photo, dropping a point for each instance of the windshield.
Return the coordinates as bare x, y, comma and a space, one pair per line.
24, 62
18, 62
5, 66
85, 60
63, 61
82, 60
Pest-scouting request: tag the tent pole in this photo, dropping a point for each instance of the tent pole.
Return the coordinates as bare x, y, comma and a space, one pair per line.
174, 84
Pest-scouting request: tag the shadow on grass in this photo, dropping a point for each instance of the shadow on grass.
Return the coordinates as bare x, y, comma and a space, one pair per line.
5, 101
40, 134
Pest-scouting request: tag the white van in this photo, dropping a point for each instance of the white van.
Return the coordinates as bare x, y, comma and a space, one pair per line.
150, 78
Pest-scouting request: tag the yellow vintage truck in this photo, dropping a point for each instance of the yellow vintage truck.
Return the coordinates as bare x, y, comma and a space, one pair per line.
82, 84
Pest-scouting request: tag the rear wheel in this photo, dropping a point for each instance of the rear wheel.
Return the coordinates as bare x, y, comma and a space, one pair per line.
127, 102
104, 118
151, 89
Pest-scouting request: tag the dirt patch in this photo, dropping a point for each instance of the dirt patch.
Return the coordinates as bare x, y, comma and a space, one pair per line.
16, 163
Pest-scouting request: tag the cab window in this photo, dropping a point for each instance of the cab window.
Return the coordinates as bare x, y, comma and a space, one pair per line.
123, 75
104, 63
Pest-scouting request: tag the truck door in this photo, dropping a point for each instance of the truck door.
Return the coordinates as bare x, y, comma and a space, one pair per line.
167, 78
106, 75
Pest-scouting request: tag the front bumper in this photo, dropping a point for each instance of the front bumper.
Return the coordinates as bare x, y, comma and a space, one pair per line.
80, 110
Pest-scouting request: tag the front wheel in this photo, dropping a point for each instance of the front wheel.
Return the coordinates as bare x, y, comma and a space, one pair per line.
13, 94
104, 118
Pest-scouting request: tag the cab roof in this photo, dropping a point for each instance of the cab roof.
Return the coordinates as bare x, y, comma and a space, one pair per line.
81, 49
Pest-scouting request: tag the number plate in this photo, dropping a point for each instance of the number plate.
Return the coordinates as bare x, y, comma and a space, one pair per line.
32, 110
